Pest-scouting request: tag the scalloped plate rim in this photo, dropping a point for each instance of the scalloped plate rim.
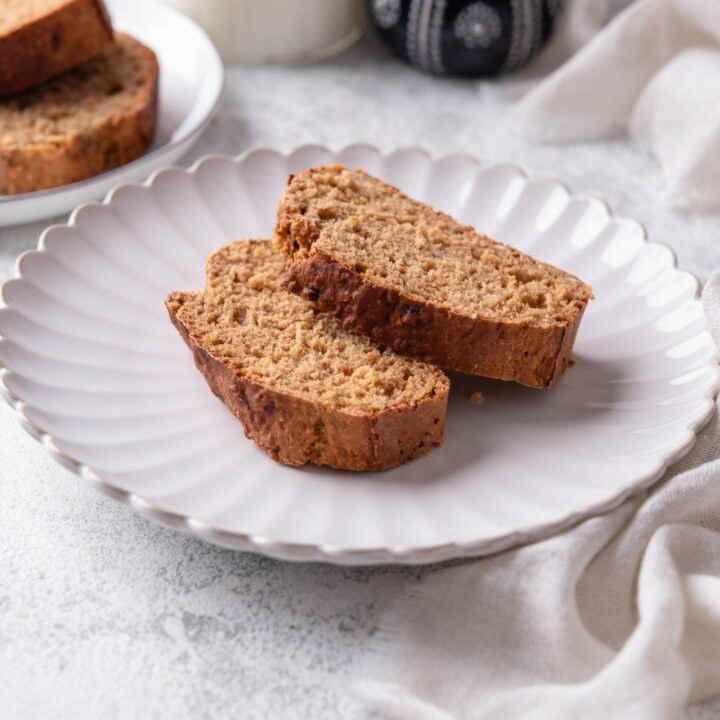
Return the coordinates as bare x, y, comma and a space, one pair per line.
371, 555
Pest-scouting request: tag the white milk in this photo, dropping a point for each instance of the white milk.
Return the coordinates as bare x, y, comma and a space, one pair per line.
281, 31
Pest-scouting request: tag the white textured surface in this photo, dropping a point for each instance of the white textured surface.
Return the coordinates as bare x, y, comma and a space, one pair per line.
103, 614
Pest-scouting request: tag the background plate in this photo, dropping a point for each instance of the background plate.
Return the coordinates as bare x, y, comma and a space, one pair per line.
191, 84
97, 373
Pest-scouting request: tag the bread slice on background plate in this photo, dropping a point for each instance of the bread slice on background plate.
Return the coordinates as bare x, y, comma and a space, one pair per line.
421, 283
42, 38
94, 118
305, 389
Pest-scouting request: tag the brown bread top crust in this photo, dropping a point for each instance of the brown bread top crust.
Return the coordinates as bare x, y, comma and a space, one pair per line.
417, 281
88, 120
298, 424
42, 38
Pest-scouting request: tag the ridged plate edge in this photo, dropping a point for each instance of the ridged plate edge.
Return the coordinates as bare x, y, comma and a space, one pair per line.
415, 555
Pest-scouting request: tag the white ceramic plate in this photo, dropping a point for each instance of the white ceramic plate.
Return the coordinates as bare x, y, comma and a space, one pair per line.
191, 84
97, 373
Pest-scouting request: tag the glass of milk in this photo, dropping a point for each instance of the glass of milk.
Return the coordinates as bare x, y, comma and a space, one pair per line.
277, 31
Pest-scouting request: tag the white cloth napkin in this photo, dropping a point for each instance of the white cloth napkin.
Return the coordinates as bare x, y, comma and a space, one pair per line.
616, 619
653, 73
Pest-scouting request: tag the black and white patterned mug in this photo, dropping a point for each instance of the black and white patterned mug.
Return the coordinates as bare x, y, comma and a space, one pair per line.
465, 37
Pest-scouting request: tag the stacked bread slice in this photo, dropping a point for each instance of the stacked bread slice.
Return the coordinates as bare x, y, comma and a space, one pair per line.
76, 99
42, 38
328, 345
421, 283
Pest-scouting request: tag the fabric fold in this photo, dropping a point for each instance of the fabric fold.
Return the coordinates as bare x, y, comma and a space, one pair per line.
652, 73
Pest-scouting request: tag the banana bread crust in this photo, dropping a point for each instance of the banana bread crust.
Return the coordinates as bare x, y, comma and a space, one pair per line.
531, 356
53, 43
295, 431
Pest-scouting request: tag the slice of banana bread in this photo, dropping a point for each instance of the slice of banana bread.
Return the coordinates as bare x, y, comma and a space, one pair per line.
87, 120
305, 389
417, 281
42, 38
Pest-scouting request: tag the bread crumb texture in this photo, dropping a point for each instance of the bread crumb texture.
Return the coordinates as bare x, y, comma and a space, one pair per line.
250, 324
400, 243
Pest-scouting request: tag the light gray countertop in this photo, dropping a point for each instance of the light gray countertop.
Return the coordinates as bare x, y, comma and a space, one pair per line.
105, 615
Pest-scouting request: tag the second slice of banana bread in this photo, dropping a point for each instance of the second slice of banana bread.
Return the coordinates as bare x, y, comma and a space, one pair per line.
421, 283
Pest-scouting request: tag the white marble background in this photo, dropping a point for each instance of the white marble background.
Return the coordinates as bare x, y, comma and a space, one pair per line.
105, 615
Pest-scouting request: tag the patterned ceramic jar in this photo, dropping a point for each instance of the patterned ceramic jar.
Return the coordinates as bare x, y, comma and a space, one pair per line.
465, 37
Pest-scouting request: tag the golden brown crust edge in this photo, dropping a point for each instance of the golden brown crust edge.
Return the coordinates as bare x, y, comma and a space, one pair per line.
294, 431
116, 142
47, 46
530, 355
